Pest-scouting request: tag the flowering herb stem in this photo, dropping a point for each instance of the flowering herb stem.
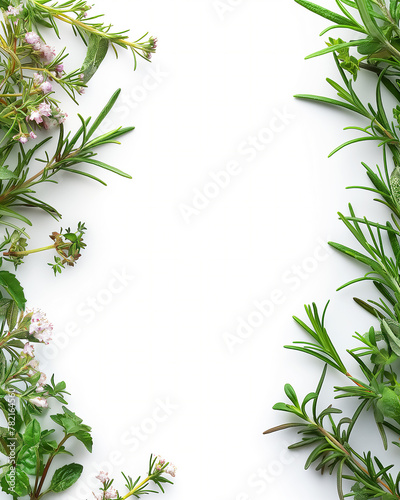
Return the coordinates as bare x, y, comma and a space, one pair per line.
29, 68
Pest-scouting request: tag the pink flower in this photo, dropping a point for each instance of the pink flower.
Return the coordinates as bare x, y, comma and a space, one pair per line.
103, 477
42, 379
15, 11
40, 327
32, 38
37, 79
44, 109
47, 53
59, 70
29, 350
59, 115
153, 42
40, 402
32, 135
49, 123
46, 87
23, 139
35, 116
34, 364
111, 493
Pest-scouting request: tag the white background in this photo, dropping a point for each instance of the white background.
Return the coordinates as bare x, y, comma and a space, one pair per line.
219, 79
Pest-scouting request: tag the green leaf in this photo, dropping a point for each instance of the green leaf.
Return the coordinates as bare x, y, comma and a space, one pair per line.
13, 287
85, 438
327, 14
392, 330
389, 404
334, 48
327, 100
369, 21
70, 422
96, 52
16, 482
353, 253
6, 174
32, 433
65, 477
27, 460
12, 315
291, 394
104, 112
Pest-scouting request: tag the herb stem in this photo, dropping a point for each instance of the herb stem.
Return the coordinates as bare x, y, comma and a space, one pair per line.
36, 493
136, 488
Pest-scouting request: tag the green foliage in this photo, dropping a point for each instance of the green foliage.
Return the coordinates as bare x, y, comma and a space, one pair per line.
376, 254
65, 477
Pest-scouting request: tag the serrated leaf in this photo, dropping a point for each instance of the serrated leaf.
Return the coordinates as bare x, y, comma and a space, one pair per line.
16, 482
65, 477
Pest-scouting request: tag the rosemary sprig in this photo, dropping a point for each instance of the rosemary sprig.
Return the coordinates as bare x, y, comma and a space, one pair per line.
377, 249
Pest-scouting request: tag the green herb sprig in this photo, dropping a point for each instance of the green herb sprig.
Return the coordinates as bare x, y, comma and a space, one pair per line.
29, 446
375, 48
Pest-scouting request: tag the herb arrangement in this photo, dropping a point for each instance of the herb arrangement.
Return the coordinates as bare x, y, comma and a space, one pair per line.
372, 45
30, 72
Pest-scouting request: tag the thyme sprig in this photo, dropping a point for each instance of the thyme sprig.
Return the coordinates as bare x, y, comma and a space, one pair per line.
29, 68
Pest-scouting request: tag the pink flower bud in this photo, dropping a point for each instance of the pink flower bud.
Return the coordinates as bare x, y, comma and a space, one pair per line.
37, 79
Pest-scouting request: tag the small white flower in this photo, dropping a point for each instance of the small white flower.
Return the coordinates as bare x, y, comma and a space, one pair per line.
171, 470
103, 477
34, 364
40, 402
42, 379
40, 327
111, 493
28, 349
15, 11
